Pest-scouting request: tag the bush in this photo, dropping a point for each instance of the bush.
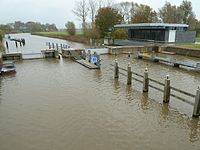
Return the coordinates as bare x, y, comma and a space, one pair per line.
120, 34
1, 36
70, 28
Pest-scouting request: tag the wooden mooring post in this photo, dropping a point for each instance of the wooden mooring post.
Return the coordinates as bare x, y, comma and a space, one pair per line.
116, 75
129, 74
146, 81
196, 109
166, 96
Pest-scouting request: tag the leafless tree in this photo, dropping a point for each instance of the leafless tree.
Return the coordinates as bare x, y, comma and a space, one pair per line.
93, 6
81, 11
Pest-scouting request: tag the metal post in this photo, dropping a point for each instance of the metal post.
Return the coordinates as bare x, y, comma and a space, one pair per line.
166, 96
129, 74
116, 75
7, 45
146, 81
196, 110
16, 44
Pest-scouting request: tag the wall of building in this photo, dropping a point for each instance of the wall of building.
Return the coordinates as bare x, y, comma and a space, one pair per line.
185, 36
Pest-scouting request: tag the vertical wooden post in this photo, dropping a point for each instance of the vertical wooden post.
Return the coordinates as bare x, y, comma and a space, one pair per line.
57, 46
116, 75
196, 109
146, 81
129, 74
49, 45
166, 96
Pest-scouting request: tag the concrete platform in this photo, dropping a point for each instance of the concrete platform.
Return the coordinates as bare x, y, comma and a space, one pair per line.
87, 64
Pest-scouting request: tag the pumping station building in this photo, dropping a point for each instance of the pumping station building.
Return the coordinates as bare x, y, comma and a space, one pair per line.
158, 32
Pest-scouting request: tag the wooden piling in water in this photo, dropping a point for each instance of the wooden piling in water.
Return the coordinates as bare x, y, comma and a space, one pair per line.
57, 46
129, 74
196, 109
16, 44
166, 96
146, 81
116, 75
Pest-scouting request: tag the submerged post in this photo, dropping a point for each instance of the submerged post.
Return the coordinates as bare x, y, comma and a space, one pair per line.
146, 81
116, 75
166, 96
129, 74
196, 109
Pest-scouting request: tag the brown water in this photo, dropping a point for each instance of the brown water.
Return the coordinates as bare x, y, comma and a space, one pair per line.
51, 104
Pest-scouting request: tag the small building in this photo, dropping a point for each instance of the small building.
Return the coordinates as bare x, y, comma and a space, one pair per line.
158, 32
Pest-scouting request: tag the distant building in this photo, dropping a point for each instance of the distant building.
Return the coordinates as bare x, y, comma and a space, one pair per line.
159, 32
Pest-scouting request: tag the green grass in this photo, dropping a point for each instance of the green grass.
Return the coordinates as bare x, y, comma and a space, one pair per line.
79, 37
57, 33
197, 39
192, 46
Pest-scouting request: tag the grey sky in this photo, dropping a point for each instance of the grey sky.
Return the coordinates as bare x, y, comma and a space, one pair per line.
60, 11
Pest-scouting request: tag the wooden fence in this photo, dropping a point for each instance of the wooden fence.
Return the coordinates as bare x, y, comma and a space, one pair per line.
166, 87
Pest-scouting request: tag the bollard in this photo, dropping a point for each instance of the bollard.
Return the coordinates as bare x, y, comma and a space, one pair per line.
7, 45
116, 75
146, 81
53, 45
129, 54
196, 110
129, 74
49, 45
166, 96
16, 44
57, 46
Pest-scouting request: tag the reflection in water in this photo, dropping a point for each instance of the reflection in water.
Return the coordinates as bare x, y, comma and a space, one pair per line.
0, 88
195, 129
129, 93
165, 111
145, 101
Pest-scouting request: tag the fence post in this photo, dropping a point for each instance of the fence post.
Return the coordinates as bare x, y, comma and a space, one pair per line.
166, 96
146, 81
196, 109
129, 74
116, 75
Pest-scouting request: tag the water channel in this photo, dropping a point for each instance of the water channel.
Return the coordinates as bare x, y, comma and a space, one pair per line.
52, 104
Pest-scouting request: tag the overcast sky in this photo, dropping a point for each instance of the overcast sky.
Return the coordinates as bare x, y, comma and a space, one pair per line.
60, 11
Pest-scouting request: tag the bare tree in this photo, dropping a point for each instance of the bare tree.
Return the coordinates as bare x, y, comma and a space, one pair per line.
93, 6
81, 11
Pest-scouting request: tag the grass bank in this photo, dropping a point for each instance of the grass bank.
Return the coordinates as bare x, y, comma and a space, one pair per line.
190, 46
2, 48
79, 37
197, 39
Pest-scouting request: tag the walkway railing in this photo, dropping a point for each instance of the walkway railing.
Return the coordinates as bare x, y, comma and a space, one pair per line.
166, 87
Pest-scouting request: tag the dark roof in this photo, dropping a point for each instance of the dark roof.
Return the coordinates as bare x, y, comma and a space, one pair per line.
149, 26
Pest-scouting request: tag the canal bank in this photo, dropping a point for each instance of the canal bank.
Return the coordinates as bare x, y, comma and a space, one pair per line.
182, 50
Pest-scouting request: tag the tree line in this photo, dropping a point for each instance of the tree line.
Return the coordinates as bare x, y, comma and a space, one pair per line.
101, 15
28, 27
